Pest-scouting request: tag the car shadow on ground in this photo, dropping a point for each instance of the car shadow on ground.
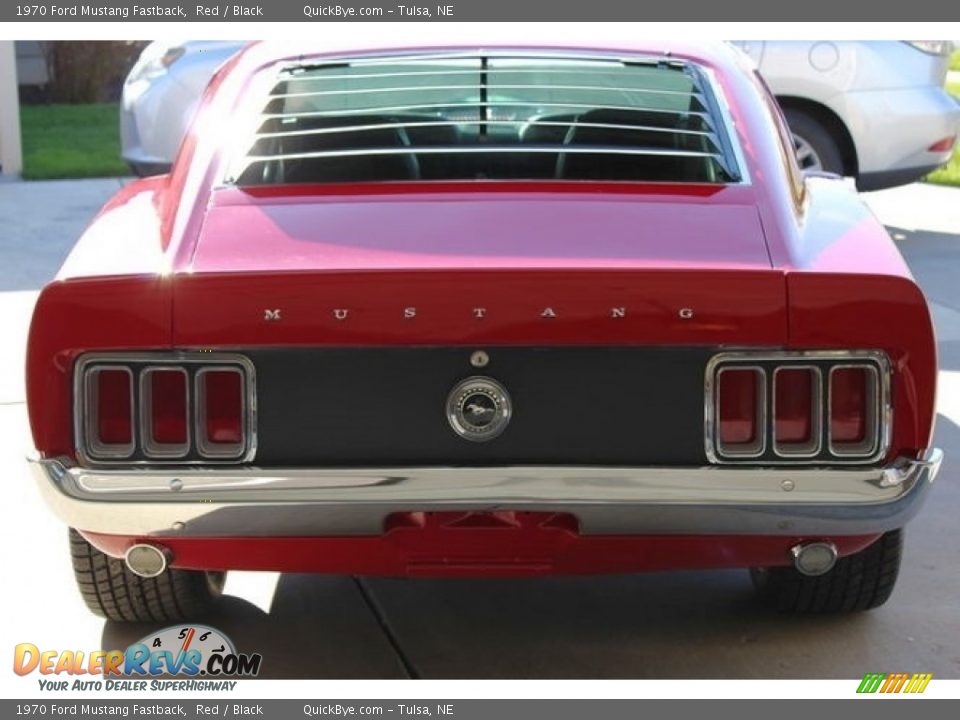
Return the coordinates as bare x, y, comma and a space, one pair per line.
662, 625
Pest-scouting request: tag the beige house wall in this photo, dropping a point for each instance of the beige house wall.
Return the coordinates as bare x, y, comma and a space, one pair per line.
11, 158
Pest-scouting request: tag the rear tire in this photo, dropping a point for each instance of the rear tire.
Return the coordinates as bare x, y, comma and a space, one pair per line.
815, 146
861, 581
110, 590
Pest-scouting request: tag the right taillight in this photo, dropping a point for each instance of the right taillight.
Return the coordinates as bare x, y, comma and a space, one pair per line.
798, 407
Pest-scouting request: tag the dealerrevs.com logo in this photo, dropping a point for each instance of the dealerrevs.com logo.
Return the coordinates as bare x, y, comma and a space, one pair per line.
180, 651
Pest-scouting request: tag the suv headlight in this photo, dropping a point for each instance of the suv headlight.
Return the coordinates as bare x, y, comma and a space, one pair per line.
932, 47
154, 62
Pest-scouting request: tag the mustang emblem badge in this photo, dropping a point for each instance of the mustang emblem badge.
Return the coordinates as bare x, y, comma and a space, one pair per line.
479, 409
476, 409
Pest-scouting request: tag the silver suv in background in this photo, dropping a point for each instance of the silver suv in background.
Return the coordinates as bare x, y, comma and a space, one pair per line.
160, 95
874, 110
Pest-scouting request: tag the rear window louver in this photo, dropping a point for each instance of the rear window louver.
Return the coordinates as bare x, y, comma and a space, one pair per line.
494, 117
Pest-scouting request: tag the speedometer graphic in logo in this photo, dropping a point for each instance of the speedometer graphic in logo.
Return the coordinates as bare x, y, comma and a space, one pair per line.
189, 650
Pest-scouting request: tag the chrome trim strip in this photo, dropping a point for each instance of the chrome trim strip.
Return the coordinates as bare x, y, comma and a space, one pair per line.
576, 68
486, 103
527, 122
352, 501
481, 149
730, 130
380, 57
620, 90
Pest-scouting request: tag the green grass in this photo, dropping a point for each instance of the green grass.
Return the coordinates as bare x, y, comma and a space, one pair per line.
949, 174
71, 141
955, 60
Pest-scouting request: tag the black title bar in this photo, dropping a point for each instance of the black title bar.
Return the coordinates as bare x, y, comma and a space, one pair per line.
480, 10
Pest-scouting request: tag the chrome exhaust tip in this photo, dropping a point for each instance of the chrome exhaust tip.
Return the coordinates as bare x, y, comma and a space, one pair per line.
814, 558
147, 561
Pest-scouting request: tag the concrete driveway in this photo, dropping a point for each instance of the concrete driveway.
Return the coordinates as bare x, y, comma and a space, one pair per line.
676, 625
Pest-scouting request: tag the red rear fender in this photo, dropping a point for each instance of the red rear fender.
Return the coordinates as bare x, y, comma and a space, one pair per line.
874, 312
76, 316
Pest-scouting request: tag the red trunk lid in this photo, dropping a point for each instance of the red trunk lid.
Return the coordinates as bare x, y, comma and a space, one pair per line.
491, 267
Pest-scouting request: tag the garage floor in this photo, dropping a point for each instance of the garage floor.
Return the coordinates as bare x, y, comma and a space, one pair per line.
677, 625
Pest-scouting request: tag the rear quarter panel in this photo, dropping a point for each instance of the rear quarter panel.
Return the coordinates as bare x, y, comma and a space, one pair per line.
849, 287
113, 291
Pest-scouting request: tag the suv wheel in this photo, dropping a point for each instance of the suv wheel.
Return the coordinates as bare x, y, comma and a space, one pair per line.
861, 581
112, 591
815, 147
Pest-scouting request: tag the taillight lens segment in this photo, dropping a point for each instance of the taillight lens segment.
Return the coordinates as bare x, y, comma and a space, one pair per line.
797, 394
164, 398
110, 426
798, 406
146, 409
220, 411
853, 407
740, 402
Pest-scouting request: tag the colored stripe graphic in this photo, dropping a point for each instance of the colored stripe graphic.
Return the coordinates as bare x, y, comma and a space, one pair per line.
894, 683
871, 682
919, 684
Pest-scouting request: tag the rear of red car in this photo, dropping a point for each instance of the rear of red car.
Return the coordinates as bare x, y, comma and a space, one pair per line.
486, 313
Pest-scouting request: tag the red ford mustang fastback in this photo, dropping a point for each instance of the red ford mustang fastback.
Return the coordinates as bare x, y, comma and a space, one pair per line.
480, 309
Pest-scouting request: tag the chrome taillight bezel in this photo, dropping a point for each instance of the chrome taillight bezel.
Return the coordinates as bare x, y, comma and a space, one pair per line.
823, 361
143, 451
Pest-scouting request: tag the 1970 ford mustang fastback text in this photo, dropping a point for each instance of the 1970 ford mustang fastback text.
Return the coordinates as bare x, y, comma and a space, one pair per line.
483, 309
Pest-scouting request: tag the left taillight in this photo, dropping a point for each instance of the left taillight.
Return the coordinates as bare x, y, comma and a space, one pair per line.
147, 408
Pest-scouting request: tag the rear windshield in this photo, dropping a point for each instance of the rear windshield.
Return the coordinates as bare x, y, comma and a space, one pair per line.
487, 117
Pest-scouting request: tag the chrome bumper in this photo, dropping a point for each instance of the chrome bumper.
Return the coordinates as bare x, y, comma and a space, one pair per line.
202, 502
